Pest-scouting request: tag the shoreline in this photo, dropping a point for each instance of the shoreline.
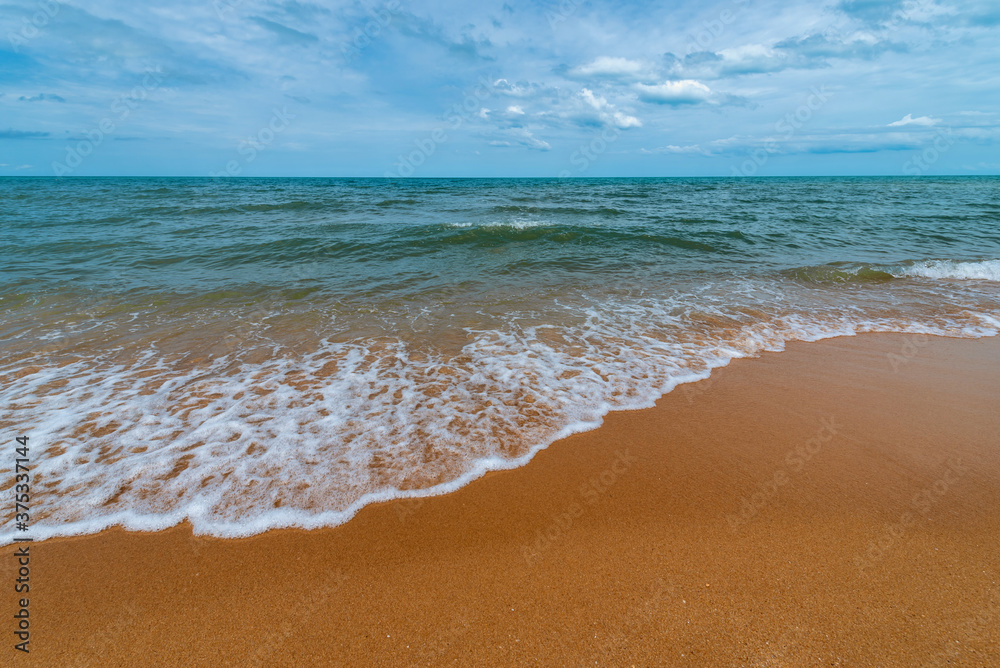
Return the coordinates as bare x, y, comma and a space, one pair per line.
827, 502
307, 521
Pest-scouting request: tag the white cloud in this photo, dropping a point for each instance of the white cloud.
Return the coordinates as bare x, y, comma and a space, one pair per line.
521, 137
751, 59
520, 89
225, 72
614, 68
685, 91
606, 111
594, 101
671, 148
530, 140
624, 121
910, 120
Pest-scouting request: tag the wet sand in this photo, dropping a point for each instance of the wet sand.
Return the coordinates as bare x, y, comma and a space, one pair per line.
834, 504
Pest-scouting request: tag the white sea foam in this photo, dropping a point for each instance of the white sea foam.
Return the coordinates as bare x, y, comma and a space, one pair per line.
244, 443
986, 270
516, 223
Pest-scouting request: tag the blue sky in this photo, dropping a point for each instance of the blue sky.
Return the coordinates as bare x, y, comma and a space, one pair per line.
499, 88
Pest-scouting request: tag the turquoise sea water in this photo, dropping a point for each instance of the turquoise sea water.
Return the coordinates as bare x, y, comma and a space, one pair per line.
256, 353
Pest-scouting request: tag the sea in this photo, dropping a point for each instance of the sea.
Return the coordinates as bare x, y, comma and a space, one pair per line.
249, 354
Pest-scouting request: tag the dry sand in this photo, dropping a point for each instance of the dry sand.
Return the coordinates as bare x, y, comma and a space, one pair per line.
834, 504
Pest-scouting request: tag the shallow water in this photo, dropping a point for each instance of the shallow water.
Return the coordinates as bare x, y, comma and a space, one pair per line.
256, 353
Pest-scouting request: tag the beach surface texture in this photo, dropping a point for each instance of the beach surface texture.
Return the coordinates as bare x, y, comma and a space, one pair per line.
834, 504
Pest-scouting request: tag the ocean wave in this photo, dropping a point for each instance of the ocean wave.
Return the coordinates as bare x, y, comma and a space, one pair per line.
560, 210
512, 224
253, 433
251, 354
848, 272
985, 270
497, 233
840, 273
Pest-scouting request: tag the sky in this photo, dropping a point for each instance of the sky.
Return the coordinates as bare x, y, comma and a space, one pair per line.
562, 88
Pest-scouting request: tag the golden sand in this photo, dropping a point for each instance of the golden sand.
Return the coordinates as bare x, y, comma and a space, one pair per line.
834, 504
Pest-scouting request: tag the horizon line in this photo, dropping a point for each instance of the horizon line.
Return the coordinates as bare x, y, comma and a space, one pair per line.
546, 178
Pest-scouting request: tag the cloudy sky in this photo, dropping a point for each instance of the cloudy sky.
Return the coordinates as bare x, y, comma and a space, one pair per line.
499, 87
